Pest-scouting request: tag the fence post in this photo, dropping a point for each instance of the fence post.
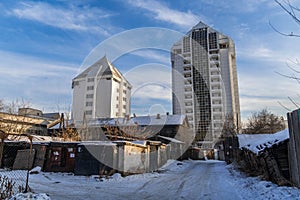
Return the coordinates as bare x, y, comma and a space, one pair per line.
28, 163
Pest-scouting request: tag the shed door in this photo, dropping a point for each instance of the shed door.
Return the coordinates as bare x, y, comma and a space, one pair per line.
56, 157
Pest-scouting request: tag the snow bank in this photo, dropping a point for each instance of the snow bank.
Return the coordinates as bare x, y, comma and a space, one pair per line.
28, 196
35, 170
255, 188
258, 142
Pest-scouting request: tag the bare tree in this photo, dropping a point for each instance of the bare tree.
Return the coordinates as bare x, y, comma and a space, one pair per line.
264, 122
292, 11
229, 127
1, 105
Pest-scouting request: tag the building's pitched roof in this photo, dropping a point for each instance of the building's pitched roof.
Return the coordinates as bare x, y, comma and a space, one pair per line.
102, 64
200, 25
100, 68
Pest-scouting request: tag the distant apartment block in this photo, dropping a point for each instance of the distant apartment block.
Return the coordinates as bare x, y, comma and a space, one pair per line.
204, 81
100, 91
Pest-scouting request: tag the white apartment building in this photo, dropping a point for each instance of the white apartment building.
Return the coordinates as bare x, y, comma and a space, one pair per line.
204, 82
100, 91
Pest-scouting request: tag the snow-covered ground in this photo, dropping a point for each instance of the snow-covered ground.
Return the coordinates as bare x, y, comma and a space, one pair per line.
176, 180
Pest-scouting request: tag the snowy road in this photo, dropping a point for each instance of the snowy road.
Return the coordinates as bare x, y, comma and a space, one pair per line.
199, 180
179, 180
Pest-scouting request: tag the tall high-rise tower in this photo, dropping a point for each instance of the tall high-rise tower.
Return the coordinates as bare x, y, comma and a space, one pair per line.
100, 91
204, 82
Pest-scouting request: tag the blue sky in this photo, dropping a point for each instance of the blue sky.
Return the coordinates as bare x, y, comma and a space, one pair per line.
43, 45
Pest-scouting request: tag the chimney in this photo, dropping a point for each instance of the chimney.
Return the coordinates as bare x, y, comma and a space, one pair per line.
158, 116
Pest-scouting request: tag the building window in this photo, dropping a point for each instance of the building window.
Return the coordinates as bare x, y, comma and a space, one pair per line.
75, 83
188, 89
117, 98
176, 51
116, 80
224, 46
186, 44
124, 91
124, 99
212, 37
90, 87
124, 106
89, 96
188, 75
188, 96
88, 112
188, 103
89, 104
91, 80
117, 105
187, 82
186, 62
187, 68
189, 111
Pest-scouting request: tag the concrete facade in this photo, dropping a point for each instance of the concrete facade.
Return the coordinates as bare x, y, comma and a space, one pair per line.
204, 82
100, 91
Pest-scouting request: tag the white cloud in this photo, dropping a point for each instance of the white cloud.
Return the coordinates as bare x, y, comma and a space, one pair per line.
240, 6
36, 80
250, 104
163, 13
151, 87
18, 66
72, 18
153, 55
262, 88
150, 81
152, 91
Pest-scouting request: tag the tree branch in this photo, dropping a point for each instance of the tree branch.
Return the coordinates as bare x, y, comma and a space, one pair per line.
287, 76
290, 10
293, 102
284, 34
283, 106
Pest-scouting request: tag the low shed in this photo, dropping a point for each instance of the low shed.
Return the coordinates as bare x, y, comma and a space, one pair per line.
10, 151
96, 158
133, 157
60, 157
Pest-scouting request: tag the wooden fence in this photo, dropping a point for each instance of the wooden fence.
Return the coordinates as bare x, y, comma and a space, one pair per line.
294, 146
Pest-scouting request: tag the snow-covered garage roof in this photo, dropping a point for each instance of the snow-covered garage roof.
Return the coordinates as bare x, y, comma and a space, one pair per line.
258, 142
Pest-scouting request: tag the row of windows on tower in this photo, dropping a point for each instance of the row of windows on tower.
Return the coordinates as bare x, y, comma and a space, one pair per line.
124, 91
117, 106
124, 98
